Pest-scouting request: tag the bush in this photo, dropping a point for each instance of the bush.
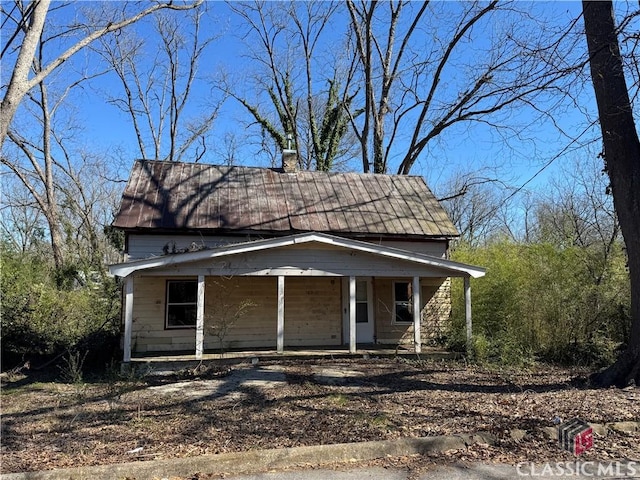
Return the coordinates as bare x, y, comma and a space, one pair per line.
40, 320
543, 301
595, 353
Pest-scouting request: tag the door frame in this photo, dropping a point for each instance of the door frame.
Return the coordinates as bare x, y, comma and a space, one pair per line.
365, 332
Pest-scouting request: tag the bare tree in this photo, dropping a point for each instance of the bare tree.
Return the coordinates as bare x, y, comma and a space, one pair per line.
378, 61
25, 23
21, 225
89, 202
286, 50
472, 204
34, 165
621, 154
427, 67
223, 314
63, 184
156, 95
37, 156
575, 210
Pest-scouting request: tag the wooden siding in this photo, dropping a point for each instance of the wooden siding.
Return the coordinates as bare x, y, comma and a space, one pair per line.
140, 246
312, 314
301, 261
174, 196
257, 328
148, 332
435, 310
434, 248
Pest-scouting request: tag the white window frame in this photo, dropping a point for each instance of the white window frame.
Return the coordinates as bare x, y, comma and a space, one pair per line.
409, 302
168, 304
366, 300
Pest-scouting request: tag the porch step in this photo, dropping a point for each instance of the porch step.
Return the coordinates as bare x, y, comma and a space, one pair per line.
164, 364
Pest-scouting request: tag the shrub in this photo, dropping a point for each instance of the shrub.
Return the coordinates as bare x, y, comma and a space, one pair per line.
543, 301
40, 319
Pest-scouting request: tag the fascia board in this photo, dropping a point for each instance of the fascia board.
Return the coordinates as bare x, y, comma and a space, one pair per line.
455, 268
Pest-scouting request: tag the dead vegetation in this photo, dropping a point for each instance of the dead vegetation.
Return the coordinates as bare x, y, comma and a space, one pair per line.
282, 404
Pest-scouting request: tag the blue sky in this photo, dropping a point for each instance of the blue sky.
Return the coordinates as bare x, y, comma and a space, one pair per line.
462, 149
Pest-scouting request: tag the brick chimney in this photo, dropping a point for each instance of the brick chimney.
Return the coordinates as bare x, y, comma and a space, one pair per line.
289, 161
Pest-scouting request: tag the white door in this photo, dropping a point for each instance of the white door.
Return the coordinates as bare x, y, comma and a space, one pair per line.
364, 310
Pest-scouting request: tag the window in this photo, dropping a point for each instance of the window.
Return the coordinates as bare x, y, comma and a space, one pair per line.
182, 301
362, 310
402, 302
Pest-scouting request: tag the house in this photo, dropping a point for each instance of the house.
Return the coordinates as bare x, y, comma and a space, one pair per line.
244, 258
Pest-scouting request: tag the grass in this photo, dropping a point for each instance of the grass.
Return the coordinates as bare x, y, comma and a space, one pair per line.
338, 399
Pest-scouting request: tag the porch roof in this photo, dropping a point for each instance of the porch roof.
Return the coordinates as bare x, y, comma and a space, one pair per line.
447, 267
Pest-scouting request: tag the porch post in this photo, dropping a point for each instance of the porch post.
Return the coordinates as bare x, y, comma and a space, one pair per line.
128, 316
417, 334
280, 334
467, 310
200, 318
352, 314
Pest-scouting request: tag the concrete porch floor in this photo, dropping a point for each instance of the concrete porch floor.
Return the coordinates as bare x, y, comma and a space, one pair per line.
169, 361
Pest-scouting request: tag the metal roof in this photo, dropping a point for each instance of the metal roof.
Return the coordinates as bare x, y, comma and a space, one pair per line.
191, 196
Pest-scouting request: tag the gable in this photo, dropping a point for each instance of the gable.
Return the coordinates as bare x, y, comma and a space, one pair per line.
302, 254
145, 245
170, 196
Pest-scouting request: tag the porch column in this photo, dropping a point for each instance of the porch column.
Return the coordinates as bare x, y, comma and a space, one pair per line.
128, 317
467, 310
200, 318
352, 314
417, 336
280, 333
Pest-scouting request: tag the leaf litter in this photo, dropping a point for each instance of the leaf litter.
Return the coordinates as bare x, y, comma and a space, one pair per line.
276, 404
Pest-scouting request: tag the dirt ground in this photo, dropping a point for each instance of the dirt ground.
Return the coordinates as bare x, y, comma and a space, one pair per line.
275, 404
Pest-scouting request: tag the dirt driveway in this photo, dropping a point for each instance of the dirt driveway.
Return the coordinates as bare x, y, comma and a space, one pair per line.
286, 403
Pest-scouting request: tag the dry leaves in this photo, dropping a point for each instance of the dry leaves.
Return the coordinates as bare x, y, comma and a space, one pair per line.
49, 425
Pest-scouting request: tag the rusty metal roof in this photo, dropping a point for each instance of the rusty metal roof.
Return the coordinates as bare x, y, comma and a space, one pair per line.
167, 196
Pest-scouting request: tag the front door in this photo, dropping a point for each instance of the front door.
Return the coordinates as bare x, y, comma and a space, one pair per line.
364, 310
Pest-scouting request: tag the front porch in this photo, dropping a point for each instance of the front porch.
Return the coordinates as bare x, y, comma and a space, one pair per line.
273, 272
161, 362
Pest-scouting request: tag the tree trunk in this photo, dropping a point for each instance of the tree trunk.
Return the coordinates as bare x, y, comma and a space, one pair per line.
57, 241
622, 163
19, 84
